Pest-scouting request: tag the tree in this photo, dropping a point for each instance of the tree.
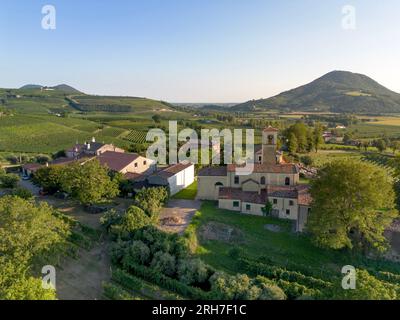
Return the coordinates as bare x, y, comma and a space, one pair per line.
151, 201
23, 193
292, 144
395, 145
157, 118
191, 271
317, 137
353, 204
28, 230
89, 183
164, 263
133, 219
380, 145
367, 288
49, 178
268, 208
138, 252
9, 180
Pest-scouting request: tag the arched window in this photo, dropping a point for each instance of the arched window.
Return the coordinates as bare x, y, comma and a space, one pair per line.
219, 184
287, 181
262, 180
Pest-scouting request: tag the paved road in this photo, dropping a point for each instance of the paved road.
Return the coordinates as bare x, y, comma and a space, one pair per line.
183, 210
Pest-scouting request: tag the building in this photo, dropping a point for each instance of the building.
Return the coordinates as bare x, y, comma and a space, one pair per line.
175, 177
92, 148
131, 165
272, 181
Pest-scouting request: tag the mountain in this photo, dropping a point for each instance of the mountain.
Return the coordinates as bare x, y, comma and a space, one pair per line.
61, 87
31, 86
336, 91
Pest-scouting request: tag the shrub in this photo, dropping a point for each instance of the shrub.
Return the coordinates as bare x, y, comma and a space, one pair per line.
192, 271
22, 193
9, 180
133, 219
137, 252
164, 263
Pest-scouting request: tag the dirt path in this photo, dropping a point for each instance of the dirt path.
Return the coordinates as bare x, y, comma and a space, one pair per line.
82, 278
182, 211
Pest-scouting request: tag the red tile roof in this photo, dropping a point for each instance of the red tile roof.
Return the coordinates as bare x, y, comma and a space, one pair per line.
304, 196
213, 172
270, 129
116, 160
245, 196
287, 168
172, 170
134, 176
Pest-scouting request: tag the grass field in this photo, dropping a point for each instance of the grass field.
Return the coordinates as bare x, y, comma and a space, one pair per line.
188, 194
48, 134
283, 248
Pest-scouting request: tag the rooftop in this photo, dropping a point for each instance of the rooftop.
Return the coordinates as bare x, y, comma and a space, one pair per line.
287, 168
116, 160
213, 171
172, 170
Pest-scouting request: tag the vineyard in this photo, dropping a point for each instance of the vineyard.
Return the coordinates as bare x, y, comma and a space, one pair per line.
136, 136
380, 160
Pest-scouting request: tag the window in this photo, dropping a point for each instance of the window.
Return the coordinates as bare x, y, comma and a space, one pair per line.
144, 162
236, 180
291, 203
236, 204
288, 212
259, 158
287, 181
219, 184
262, 180
275, 201
248, 207
135, 164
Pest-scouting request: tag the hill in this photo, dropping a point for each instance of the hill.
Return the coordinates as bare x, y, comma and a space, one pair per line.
61, 87
337, 91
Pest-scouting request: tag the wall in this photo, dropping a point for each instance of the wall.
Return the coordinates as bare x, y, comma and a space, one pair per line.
206, 189
282, 205
149, 167
277, 179
181, 180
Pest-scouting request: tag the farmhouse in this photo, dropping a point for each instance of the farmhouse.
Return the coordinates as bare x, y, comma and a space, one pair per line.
92, 148
272, 180
130, 164
175, 177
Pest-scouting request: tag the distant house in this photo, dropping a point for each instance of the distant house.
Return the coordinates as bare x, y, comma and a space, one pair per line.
92, 148
131, 165
175, 177
30, 168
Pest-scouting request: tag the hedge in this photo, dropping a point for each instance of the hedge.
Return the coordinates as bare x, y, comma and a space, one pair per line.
113, 292
168, 283
280, 274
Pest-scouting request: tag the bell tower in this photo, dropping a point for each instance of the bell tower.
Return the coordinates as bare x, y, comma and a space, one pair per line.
269, 141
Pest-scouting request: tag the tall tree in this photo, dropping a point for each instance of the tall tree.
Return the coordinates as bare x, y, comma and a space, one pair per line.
317, 137
292, 144
353, 204
89, 183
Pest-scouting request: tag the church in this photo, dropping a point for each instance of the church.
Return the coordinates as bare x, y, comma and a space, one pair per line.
272, 180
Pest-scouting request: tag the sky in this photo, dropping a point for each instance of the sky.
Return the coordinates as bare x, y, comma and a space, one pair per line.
196, 50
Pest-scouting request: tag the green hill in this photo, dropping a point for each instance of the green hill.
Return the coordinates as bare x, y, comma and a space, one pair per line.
337, 91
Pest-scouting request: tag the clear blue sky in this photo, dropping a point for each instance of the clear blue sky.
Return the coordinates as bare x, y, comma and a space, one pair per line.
196, 50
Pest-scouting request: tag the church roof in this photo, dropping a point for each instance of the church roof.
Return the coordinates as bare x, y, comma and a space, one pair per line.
270, 129
213, 171
287, 168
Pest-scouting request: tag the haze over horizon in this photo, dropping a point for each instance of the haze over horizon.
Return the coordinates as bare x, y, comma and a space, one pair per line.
196, 51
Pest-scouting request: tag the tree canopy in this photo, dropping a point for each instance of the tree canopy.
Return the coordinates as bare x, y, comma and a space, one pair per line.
353, 204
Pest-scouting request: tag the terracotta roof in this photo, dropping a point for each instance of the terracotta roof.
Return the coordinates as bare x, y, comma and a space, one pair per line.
267, 168
32, 166
270, 129
213, 171
172, 170
116, 160
133, 176
246, 196
301, 193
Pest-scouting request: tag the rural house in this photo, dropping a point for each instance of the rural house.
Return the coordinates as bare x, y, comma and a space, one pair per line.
272, 180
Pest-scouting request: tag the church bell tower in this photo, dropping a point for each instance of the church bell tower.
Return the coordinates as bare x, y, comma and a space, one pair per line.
269, 141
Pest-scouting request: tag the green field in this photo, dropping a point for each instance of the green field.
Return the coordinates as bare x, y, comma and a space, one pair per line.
188, 194
284, 248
